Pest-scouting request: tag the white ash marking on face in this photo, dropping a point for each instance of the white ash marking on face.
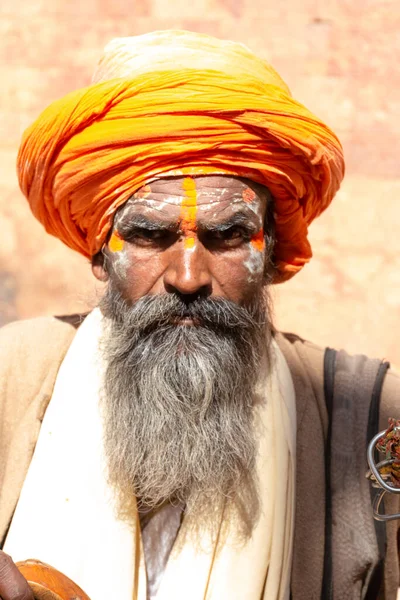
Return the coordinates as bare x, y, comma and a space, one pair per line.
119, 262
153, 204
118, 258
254, 264
255, 205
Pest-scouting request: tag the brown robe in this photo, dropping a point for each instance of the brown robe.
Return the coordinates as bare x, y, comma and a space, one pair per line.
30, 355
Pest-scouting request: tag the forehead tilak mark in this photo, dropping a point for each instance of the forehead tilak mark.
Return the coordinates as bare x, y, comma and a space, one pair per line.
189, 212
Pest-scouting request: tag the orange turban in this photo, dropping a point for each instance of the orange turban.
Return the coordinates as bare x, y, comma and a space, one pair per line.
174, 103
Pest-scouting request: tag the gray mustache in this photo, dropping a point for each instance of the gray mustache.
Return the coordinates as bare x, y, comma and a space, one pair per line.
153, 312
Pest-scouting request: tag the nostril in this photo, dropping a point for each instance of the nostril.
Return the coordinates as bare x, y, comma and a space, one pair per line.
203, 292
188, 299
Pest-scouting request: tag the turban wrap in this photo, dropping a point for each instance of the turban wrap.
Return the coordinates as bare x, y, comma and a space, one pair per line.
176, 103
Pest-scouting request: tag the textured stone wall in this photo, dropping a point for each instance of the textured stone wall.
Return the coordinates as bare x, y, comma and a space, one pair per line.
340, 59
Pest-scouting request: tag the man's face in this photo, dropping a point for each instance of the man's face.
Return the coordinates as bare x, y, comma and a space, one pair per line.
196, 237
186, 333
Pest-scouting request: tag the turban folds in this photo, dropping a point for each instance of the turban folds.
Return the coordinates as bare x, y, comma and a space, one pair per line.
177, 103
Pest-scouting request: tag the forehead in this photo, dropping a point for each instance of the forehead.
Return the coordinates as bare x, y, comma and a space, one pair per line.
210, 194
208, 187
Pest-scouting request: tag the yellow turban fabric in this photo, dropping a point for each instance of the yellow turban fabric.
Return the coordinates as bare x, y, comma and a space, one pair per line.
177, 103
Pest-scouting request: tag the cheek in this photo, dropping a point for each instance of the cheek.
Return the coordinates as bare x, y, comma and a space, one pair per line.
137, 271
239, 276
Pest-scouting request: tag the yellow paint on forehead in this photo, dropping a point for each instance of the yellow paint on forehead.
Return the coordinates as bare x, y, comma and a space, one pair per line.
188, 242
116, 243
188, 212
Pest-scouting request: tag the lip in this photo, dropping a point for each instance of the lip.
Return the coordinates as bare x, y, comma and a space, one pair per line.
185, 321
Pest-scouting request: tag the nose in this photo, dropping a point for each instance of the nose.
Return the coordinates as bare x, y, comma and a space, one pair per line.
188, 273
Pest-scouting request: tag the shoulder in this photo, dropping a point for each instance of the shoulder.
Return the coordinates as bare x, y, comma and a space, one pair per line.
306, 363
31, 352
35, 340
62, 326
301, 353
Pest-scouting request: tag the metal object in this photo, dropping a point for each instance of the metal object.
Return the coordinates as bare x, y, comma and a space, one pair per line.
378, 480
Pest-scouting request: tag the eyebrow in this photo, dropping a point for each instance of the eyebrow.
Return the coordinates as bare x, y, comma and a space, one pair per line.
239, 218
138, 221
125, 225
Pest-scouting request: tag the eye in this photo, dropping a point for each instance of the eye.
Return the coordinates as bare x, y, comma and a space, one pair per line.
147, 237
232, 237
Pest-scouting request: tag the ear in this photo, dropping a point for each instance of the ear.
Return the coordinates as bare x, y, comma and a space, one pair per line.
100, 273
98, 267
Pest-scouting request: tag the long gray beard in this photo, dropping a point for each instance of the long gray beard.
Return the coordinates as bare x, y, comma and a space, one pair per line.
178, 401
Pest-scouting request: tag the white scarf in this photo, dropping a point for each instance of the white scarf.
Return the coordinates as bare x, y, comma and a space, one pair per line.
65, 515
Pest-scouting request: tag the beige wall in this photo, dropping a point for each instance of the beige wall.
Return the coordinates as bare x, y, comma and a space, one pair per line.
339, 58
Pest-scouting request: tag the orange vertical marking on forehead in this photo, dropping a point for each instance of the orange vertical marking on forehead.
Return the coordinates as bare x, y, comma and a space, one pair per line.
189, 212
257, 240
248, 195
189, 242
116, 243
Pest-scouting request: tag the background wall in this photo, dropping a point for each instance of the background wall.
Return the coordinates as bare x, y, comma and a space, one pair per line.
340, 59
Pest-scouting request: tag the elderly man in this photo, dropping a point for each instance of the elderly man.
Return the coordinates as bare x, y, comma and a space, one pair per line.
172, 444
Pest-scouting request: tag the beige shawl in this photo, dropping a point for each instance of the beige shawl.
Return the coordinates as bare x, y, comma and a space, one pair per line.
74, 526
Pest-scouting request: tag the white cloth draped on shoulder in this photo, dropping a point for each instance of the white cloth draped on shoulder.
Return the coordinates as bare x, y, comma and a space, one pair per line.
66, 512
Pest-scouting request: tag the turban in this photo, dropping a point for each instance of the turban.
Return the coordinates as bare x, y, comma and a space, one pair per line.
175, 103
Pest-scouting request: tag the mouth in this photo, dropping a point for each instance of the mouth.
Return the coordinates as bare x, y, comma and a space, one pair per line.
187, 321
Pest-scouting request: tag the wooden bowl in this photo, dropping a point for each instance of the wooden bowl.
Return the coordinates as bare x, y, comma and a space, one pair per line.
49, 584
